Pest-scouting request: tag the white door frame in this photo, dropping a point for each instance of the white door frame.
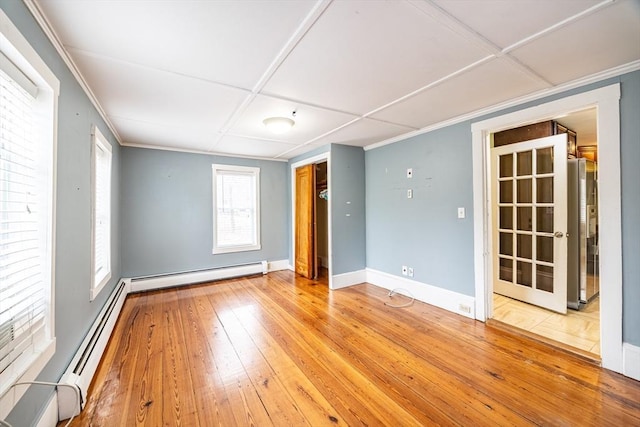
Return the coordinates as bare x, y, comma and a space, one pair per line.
320, 158
606, 100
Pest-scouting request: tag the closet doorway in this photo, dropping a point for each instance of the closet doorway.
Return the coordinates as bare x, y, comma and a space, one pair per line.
311, 219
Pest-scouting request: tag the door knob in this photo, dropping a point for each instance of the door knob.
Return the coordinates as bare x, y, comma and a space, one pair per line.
558, 234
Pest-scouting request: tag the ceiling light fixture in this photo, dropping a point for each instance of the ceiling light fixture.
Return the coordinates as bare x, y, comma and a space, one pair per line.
279, 125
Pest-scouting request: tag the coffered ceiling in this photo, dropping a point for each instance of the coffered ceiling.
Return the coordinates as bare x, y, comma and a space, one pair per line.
202, 75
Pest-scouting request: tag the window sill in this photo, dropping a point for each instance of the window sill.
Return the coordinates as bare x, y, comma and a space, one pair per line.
231, 249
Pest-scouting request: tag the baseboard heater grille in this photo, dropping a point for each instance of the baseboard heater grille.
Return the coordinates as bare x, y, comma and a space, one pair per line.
85, 362
140, 284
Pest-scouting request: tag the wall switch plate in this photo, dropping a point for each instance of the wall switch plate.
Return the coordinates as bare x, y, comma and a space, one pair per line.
410, 272
409, 173
461, 213
404, 270
409, 194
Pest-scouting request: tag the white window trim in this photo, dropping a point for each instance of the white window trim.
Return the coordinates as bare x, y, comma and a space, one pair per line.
98, 282
243, 169
17, 49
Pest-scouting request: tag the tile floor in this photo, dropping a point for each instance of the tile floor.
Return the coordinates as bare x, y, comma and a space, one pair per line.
580, 329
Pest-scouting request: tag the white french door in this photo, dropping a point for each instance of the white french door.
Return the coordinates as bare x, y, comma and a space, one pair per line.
529, 197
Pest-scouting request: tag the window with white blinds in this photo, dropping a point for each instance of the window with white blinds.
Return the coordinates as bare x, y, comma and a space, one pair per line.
236, 208
27, 143
101, 197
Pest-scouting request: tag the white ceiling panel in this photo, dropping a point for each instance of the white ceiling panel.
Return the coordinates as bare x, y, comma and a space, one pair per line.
310, 121
364, 132
203, 75
363, 54
250, 147
296, 151
506, 22
488, 84
151, 96
594, 43
232, 42
164, 135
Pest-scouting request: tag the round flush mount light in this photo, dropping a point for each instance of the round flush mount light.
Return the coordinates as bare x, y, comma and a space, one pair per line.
279, 125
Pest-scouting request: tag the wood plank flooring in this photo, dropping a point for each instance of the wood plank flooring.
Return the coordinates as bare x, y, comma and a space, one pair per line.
282, 350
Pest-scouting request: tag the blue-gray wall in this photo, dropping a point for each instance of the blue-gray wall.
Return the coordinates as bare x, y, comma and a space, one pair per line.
167, 212
347, 195
348, 220
424, 232
74, 313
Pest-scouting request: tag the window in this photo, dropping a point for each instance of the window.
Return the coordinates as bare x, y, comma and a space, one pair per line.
28, 103
236, 208
101, 199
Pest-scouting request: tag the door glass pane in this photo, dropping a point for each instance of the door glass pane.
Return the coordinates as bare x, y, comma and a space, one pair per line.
506, 165
506, 217
524, 276
544, 160
524, 219
544, 278
544, 248
524, 246
506, 269
524, 190
506, 243
524, 163
506, 191
544, 219
544, 190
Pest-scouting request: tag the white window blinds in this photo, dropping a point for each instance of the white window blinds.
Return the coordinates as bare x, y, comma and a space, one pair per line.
236, 208
102, 212
23, 219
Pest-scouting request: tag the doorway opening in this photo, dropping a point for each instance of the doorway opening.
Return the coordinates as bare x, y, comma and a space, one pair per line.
311, 219
545, 230
606, 101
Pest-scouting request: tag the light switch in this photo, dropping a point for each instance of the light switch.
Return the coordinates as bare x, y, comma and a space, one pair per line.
409, 173
461, 213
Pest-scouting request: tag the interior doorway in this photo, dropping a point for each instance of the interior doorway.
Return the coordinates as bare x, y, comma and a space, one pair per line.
311, 220
545, 231
606, 101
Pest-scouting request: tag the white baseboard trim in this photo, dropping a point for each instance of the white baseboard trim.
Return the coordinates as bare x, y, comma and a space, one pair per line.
340, 281
281, 264
49, 417
448, 300
631, 361
180, 279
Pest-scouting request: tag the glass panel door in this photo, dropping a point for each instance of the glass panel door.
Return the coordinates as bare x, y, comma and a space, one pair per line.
529, 221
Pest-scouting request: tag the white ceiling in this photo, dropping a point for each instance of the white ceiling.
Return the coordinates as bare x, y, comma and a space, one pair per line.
202, 75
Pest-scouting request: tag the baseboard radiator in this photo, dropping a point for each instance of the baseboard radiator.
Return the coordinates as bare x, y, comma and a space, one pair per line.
140, 284
85, 362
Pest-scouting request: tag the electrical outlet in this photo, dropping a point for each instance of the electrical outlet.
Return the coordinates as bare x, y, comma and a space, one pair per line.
410, 271
404, 270
464, 308
409, 194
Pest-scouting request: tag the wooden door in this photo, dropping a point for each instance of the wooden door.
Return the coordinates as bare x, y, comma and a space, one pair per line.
529, 193
305, 250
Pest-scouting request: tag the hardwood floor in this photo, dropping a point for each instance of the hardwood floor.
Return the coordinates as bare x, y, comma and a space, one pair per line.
280, 350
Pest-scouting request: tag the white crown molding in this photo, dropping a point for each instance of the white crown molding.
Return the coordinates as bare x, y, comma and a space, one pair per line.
208, 153
603, 75
41, 19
